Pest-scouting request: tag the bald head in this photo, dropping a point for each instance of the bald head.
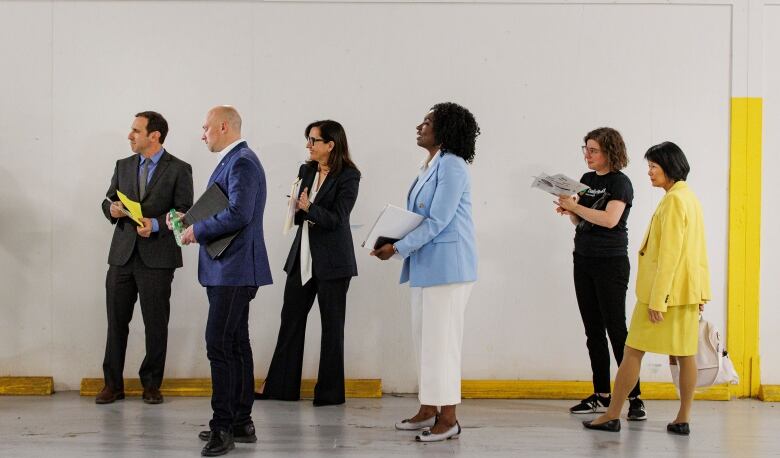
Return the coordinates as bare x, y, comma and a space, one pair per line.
229, 115
221, 128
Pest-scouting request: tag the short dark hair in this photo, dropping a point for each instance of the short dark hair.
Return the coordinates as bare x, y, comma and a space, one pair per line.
612, 145
455, 129
671, 159
332, 131
155, 123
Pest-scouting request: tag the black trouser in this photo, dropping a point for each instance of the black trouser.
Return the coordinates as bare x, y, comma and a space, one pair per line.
284, 376
601, 285
125, 284
230, 355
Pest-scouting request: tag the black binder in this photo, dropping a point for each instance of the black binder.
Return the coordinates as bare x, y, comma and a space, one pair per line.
209, 204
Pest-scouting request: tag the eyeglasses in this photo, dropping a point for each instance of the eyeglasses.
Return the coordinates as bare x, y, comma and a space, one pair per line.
313, 140
589, 151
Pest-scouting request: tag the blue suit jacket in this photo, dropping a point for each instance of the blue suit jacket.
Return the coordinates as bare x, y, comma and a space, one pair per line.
441, 249
245, 261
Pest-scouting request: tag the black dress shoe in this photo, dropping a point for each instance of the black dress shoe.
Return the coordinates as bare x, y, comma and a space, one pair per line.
262, 396
683, 429
321, 403
611, 425
220, 442
244, 434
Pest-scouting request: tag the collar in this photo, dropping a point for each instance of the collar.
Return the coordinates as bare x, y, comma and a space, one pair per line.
155, 158
678, 186
229, 148
424, 166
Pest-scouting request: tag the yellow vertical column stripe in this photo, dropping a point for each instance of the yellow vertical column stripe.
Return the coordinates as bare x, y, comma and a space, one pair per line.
745, 243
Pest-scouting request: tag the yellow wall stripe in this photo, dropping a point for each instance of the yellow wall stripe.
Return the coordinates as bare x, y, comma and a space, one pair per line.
355, 388
769, 393
21, 386
555, 389
745, 243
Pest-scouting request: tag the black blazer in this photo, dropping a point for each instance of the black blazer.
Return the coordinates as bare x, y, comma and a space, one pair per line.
170, 187
330, 236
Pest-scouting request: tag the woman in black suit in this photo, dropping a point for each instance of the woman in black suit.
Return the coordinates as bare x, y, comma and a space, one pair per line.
321, 263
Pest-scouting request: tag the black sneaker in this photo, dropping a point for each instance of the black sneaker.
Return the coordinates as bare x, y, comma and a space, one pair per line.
594, 403
636, 410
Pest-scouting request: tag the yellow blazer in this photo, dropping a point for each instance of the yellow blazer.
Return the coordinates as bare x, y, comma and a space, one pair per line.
673, 267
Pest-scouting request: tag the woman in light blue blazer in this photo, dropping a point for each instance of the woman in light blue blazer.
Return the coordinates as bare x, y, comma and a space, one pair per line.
440, 264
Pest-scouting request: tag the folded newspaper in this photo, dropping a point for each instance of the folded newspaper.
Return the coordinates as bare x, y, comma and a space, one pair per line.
558, 184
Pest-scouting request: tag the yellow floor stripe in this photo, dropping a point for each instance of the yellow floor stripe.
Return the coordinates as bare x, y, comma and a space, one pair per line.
355, 388
23, 386
769, 393
549, 389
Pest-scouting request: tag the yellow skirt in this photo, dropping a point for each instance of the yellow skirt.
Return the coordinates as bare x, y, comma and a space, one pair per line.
677, 334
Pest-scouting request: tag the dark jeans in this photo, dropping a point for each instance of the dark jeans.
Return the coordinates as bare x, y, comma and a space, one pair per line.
230, 355
601, 285
284, 376
124, 285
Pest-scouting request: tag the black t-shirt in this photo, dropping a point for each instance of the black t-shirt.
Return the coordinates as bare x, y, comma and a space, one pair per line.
599, 241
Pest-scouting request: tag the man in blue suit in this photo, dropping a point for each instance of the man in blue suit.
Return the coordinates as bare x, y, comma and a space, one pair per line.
231, 279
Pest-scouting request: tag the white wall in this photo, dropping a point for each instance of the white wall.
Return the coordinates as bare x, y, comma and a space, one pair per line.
770, 219
537, 77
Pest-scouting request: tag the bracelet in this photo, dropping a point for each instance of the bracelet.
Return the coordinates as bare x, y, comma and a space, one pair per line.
395, 250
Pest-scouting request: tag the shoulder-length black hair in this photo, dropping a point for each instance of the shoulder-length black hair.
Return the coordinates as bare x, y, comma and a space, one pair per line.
671, 159
455, 129
332, 131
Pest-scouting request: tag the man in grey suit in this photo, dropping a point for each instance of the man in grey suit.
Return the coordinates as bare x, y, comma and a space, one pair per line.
142, 259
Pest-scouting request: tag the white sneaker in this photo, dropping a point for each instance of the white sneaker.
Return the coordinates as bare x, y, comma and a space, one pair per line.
428, 436
408, 425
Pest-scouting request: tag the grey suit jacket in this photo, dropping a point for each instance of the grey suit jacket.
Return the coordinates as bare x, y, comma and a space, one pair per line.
170, 187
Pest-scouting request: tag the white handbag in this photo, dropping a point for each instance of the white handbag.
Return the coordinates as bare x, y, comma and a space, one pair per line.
713, 364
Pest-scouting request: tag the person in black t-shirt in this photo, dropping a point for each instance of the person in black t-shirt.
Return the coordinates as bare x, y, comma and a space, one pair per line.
601, 267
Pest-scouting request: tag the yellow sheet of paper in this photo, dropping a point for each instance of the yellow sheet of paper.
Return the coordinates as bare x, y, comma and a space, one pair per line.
133, 207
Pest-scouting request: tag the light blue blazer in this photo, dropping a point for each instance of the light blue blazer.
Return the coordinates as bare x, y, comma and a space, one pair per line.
441, 249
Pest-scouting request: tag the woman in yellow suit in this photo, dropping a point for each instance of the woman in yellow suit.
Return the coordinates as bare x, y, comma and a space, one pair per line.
672, 285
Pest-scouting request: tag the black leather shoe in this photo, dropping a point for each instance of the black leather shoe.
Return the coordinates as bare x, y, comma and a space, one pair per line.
321, 403
683, 429
611, 425
244, 434
220, 442
261, 396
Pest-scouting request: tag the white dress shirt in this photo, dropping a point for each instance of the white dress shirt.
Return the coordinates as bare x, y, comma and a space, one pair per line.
227, 149
306, 271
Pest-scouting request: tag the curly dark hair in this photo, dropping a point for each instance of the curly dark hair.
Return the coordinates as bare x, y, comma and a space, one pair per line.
612, 145
455, 129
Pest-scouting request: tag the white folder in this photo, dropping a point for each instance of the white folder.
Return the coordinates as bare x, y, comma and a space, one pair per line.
393, 222
289, 218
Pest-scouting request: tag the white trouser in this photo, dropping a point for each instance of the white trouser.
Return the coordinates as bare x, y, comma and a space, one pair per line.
437, 331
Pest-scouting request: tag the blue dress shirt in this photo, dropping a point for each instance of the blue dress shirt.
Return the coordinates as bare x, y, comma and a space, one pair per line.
155, 159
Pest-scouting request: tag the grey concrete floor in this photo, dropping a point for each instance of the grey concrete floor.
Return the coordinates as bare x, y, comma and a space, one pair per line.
67, 425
